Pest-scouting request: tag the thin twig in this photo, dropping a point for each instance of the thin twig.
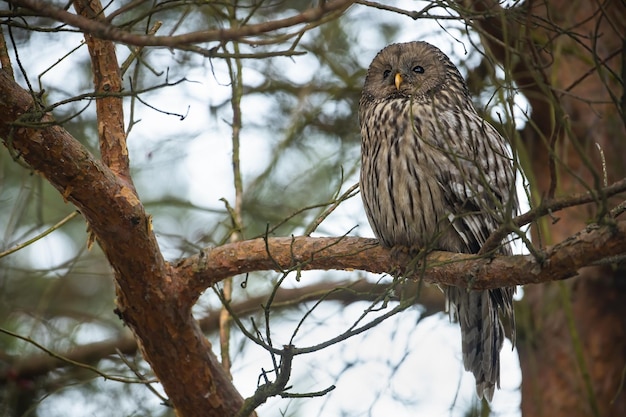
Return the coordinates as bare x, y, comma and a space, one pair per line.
40, 235
74, 363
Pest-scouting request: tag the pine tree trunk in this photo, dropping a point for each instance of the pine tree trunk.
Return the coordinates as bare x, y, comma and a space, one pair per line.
572, 342
571, 334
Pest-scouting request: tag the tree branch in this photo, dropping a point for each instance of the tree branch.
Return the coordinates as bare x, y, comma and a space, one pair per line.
550, 207
106, 31
32, 366
109, 108
561, 261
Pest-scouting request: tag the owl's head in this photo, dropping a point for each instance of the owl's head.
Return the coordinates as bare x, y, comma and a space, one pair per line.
413, 69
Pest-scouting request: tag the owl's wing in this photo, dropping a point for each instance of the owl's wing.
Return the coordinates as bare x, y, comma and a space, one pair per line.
476, 175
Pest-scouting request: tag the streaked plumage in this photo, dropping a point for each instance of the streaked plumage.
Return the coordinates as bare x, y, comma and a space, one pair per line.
435, 175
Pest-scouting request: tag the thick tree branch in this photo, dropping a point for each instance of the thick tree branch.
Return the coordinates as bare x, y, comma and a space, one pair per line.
109, 108
561, 261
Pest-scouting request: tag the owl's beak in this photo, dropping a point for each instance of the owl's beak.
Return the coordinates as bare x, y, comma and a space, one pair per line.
398, 80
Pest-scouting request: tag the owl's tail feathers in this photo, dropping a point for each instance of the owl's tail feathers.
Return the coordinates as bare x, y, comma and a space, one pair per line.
482, 332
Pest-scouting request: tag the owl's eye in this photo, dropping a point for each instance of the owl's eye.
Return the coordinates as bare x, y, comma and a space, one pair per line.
418, 69
386, 73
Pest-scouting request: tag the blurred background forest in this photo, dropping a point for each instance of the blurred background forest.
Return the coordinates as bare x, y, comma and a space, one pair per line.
258, 136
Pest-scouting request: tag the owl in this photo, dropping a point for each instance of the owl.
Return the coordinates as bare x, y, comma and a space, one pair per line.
437, 176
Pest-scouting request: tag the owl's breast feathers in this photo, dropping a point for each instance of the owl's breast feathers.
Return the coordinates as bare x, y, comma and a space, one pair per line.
446, 172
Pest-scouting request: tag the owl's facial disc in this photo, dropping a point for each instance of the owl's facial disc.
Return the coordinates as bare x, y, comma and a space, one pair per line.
406, 70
